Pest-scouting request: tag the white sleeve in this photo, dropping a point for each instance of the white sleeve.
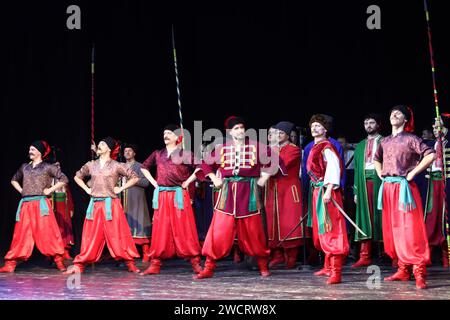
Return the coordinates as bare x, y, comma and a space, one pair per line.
333, 171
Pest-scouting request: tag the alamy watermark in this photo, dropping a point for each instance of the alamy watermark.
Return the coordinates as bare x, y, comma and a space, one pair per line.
374, 20
374, 280
74, 281
73, 21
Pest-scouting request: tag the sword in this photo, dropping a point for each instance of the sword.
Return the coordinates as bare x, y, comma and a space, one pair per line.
292, 231
341, 210
347, 217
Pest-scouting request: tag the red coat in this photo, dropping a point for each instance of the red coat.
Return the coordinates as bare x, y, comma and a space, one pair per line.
246, 161
283, 201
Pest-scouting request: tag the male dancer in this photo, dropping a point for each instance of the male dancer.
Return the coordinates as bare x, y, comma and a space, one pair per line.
325, 167
436, 202
174, 232
305, 180
283, 201
35, 219
366, 187
238, 208
399, 158
135, 204
105, 221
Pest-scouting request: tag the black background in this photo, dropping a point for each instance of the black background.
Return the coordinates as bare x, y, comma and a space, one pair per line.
283, 60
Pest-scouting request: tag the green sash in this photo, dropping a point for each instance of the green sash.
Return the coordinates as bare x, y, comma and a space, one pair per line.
434, 176
252, 202
323, 217
59, 197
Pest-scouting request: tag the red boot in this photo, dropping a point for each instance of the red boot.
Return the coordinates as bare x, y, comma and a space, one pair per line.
336, 269
195, 262
145, 253
131, 265
445, 255
291, 258
419, 274
66, 255
59, 261
364, 255
236, 254
262, 265
155, 267
395, 263
403, 273
9, 267
277, 257
326, 270
208, 270
76, 268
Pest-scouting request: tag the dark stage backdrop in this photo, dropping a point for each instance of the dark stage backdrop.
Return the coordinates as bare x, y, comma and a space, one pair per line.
267, 62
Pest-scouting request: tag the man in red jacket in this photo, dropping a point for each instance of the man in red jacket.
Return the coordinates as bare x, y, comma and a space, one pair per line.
325, 167
283, 201
236, 167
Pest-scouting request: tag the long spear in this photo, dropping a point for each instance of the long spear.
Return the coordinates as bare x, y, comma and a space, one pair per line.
178, 86
92, 100
438, 117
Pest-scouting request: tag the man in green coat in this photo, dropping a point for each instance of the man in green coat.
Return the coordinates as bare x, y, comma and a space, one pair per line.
366, 186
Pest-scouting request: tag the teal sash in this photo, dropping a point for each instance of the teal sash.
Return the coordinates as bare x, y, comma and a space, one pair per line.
90, 210
406, 201
43, 207
178, 200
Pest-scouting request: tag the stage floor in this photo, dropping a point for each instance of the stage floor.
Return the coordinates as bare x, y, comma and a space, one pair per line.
107, 280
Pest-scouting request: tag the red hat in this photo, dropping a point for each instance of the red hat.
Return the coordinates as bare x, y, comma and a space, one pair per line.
231, 121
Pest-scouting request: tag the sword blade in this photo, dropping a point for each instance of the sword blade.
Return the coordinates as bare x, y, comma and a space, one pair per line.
292, 231
347, 217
